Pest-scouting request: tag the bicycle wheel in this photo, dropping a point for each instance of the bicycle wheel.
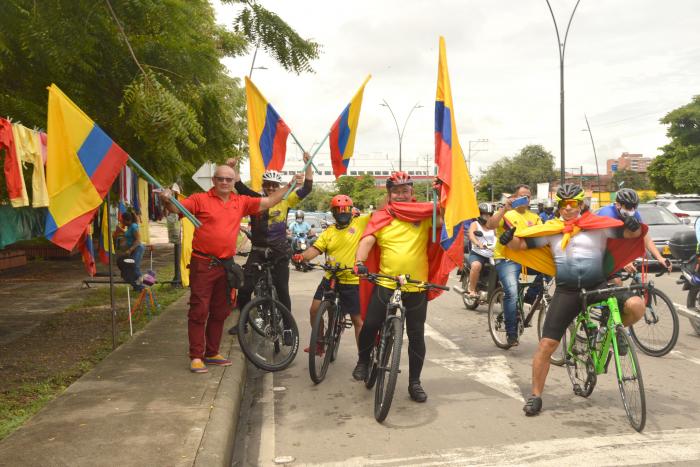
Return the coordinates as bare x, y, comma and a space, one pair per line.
322, 341
693, 302
276, 347
471, 303
557, 358
657, 332
338, 329
373, 368
578, 361
497, 323
388, 371
629, 380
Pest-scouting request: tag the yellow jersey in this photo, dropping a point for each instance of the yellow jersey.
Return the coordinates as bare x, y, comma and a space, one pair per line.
404, 250
515, 219
340, 246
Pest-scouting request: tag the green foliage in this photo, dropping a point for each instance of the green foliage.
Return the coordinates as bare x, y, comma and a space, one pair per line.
361, 189
677, 170
632, 179
532, 165
318, 200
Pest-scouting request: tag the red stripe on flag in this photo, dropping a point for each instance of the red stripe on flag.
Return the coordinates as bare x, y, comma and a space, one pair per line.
336, 156
104, 175
279, 146
68, 234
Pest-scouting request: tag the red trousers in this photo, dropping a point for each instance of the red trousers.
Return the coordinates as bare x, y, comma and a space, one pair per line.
209, 307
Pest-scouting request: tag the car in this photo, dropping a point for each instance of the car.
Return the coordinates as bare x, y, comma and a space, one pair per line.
662, 225
683, 206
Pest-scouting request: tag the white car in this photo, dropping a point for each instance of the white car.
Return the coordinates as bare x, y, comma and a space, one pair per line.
683, 206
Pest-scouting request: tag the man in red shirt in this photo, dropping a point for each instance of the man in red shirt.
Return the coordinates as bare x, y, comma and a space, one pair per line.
220, 211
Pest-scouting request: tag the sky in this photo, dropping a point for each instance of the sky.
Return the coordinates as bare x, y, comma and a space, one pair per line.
627, 64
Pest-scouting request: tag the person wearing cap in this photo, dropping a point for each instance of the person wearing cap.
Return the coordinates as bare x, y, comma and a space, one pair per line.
220, 211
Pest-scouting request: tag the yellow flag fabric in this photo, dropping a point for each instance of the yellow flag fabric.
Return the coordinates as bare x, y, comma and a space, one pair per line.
186, 251
143, 225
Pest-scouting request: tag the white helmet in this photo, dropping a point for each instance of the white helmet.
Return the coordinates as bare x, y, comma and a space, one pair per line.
272, 176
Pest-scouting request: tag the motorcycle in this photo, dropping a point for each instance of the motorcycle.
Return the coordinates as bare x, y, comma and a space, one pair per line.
683, 246
486, 284
300, 243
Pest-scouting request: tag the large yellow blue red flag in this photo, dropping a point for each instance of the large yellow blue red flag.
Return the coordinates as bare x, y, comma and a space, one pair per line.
343, 132
81, 165
457, 195
267, 135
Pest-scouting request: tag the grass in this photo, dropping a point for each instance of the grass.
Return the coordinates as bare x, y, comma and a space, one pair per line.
35, 384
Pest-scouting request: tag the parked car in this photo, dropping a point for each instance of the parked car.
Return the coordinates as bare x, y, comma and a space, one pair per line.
684, 207
662, 225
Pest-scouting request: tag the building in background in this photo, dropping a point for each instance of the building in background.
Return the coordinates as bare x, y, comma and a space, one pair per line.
627, 161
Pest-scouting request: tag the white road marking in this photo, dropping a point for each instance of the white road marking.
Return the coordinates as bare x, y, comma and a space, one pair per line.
493, 371
266, 453
686, 357
623, 449
435, 335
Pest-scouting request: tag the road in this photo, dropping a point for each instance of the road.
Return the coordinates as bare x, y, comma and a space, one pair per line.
473, 415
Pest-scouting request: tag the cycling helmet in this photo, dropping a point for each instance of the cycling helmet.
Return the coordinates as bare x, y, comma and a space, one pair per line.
627, 197
299, 214
398, 178
272, 176
341, 201
569, 191
485, 208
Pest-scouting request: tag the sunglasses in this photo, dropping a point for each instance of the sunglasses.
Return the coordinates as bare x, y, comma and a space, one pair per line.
342, 209
569, 203
271, 185
223, 179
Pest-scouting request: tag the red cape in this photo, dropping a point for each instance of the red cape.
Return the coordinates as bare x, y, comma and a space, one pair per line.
439, 264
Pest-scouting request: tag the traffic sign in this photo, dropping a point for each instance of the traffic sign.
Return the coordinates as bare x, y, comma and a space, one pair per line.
203, 175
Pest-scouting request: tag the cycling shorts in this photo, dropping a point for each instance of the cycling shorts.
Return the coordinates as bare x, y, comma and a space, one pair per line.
566, 305
349, 295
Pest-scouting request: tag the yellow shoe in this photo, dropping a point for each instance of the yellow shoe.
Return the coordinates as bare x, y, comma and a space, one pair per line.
217, 359
198, 366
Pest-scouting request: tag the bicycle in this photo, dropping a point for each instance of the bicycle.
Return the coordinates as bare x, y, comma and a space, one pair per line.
328, 326
385, 356
651, 333
592, 342
496, 319
267, 331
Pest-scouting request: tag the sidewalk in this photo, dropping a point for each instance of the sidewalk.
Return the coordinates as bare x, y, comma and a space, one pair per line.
139, 406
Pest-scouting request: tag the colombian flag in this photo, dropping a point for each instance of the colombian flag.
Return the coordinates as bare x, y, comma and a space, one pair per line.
267, 135
81, 165
457, 195
343, 132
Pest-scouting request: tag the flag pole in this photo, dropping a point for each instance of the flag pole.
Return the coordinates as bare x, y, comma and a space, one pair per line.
174, 200
111, 279
435, 195
311, 159
318, 172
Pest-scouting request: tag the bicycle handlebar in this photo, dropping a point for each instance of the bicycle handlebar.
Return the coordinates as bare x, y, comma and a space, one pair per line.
404, 279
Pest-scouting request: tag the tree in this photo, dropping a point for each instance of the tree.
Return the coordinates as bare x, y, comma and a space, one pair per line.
632, 179
532, 165
318, 200
677, 170
361, 189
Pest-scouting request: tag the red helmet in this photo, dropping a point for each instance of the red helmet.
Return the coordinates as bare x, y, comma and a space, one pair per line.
398, 178
341, 201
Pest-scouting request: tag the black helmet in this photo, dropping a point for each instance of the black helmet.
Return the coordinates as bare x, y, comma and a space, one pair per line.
485, 208
569, 191
627, 197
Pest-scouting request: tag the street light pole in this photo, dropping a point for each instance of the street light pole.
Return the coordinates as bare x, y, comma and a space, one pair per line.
562, 49
400, 132
469, 154
595, 155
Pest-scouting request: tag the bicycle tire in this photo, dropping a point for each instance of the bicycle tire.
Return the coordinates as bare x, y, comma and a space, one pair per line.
322, 338
578, 361
339, 327
470, 303
541, 315
264, 351
497, 323
390, 354
693, 302
373, 368
658, 321
631, 384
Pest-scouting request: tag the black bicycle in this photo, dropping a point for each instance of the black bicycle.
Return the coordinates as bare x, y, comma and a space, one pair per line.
386, 352
328, 326
267, 331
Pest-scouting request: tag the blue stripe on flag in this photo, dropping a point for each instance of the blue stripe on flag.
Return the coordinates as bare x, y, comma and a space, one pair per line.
267, 138
343, 130
443, 122
94, 149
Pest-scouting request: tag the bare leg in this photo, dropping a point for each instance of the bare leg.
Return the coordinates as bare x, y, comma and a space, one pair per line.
357, 324
633, 310
474, 276
540, 364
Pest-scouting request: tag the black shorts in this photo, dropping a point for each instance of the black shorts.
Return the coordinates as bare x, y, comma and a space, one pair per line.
566, 305
349, 295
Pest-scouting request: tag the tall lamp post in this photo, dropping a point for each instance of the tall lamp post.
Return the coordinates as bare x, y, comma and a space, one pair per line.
595, 155
400, 132
469, 156
562, 48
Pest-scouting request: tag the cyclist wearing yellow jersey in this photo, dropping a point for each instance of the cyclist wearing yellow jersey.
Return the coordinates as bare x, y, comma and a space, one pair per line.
339, 243
508, 271
403, 250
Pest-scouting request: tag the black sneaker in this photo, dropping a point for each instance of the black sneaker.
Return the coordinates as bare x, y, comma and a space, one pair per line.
533, 406
233, 330
513, 341
361, 371
415, 390
621, 345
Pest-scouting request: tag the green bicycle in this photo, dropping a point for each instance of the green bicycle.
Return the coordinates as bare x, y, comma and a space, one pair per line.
592, 342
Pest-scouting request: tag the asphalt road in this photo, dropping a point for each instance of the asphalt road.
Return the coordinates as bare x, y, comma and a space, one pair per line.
473, 415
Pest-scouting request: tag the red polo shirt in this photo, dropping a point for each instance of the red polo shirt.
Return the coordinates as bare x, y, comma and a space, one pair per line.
221, 221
